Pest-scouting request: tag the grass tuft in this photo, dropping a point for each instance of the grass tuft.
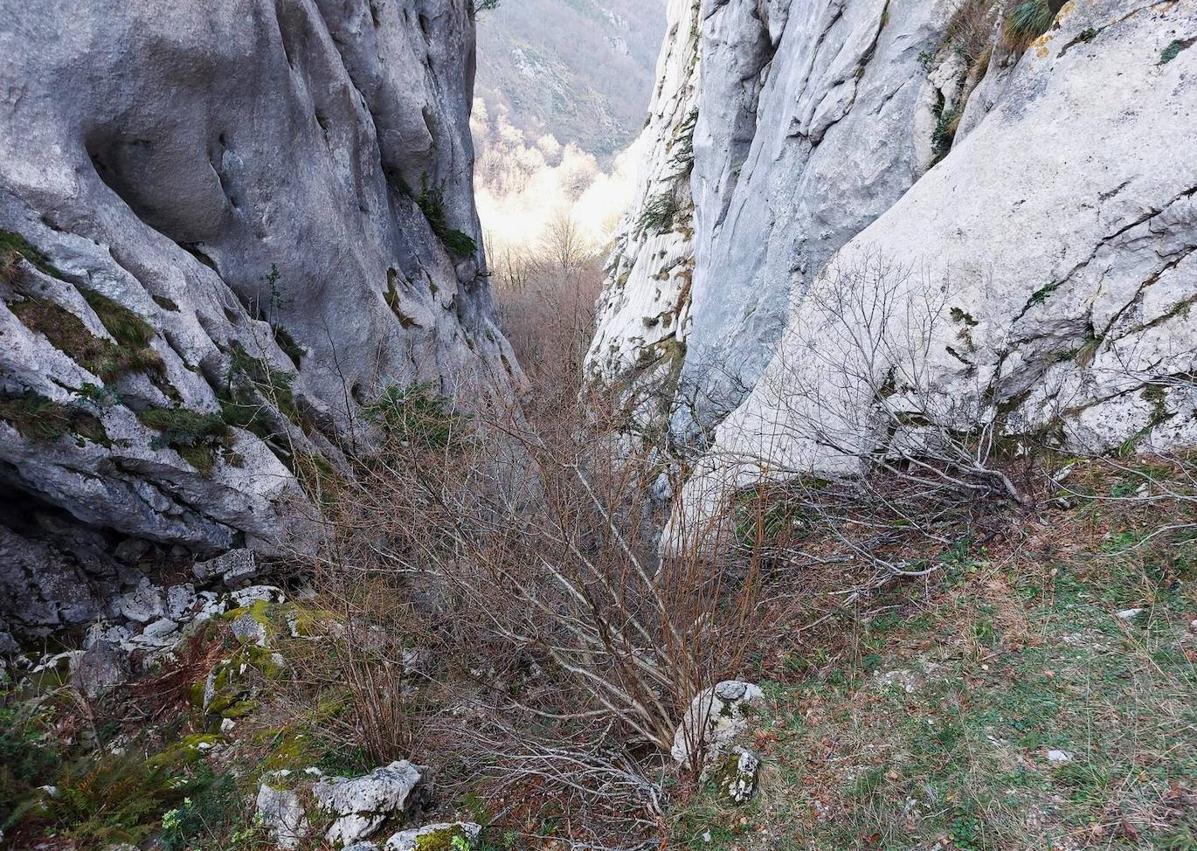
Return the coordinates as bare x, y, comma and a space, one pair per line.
39, 419
1028, 20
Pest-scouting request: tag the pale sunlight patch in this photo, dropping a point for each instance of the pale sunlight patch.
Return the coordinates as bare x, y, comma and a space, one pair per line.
524, 186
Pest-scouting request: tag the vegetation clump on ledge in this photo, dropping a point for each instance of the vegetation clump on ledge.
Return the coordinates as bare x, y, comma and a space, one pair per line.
195, 435
432, 204
37, 418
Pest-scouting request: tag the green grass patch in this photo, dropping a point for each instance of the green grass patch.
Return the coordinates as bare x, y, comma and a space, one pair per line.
1028, 20
109, 360
15, 247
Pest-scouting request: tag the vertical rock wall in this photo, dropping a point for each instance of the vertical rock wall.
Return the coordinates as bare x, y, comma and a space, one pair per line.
225, 229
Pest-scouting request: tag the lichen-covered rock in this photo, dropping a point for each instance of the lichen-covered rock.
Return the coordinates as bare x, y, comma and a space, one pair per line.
235, 569
714, 718
359, 805
436, 837
736, 775
225, 229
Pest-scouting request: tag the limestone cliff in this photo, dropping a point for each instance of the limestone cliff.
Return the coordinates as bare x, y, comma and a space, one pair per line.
226, 228
1014, 204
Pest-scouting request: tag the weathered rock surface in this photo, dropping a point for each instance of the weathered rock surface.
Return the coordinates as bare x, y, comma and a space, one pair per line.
100, 669
643, 313
224, 229
798, 123
281, 811
360, 805
715, 717
1039, 286
872, 176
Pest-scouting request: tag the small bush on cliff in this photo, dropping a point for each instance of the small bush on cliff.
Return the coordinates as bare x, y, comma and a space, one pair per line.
417, 416
432, 203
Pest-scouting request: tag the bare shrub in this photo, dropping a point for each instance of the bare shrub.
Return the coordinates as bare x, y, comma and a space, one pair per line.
495, 604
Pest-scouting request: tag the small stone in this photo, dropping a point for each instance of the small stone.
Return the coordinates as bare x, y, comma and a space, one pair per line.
248, 630
410, 840
180, 599
1059, 757
738, 779
160, 629
100, 669
227, 725
1129, 614
255, 593
282, 813
235, 569
143, 604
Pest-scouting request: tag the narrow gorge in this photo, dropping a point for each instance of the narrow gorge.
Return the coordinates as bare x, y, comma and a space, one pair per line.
359, 490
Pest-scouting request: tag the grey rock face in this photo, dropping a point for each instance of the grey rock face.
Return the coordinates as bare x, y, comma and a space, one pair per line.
1042, 288
848, 149
799, 124
226, 227
643, 312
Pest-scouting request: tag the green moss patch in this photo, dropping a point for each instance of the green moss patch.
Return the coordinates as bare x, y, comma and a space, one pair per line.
452, 838
432, 204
